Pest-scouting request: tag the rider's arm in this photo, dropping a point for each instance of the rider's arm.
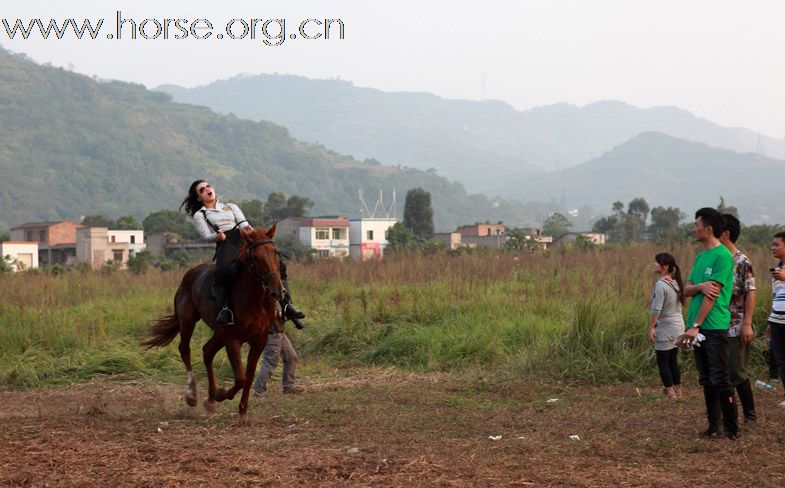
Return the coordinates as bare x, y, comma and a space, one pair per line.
204, 231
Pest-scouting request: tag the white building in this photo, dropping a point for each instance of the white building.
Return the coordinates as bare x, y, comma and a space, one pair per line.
24, 255
368, 237
328, 236
134, 239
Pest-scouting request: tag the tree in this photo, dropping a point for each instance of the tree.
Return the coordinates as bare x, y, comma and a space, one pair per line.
253, 211
297, 207
278, 207
556, 225
126, 222
169, 221
97, 221
275, 207
400, 237
5, 235
639, 208
141, 262
518, 240
665, 224
417, 213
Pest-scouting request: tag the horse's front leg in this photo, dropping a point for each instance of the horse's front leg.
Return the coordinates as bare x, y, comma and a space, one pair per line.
209, 350
250, 372
233, 352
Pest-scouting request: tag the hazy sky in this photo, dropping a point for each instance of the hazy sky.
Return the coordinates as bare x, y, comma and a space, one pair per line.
722, 60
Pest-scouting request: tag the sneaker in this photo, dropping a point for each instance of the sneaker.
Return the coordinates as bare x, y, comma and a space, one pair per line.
258, 393
295, 390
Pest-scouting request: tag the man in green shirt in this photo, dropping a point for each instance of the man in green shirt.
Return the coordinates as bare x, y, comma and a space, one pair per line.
710, 285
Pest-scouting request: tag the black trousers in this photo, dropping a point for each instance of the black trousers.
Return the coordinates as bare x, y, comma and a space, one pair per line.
777, 348
712, 359
668, 365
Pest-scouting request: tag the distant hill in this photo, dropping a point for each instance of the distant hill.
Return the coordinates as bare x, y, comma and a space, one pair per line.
481, 144
71, 145
668, 171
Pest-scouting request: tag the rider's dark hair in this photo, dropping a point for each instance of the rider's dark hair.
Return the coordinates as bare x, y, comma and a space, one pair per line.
667, 259
191, 202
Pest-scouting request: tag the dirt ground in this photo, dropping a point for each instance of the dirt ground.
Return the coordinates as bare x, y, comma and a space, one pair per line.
371, 427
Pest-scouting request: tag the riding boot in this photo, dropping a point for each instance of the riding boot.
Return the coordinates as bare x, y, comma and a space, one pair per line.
730, 413
713, 411
747, 401
225, 316
289, 312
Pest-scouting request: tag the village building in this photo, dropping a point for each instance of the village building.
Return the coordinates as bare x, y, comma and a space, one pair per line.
22, 255
482, 235
328, 236
368, 237
97, 246
596, 238
56, 240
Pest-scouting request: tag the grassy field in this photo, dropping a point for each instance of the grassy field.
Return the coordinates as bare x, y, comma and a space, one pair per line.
571, 315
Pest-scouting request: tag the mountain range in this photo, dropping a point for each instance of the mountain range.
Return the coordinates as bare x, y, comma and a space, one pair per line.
482, 144
71, 145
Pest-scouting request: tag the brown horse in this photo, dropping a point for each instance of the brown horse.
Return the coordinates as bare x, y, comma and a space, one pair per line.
253, 299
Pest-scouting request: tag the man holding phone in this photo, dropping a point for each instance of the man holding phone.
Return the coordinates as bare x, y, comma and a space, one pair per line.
776, 326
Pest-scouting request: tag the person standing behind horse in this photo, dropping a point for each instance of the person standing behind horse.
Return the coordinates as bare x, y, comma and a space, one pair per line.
222, 223
667, 322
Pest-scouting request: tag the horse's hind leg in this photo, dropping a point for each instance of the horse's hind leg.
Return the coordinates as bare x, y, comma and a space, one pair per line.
250, 371
233, 352
186, 331
209, 350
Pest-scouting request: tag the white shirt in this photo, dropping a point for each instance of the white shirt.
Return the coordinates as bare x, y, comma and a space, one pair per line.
225, 216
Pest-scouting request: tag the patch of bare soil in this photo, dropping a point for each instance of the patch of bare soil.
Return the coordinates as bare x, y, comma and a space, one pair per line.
382, 428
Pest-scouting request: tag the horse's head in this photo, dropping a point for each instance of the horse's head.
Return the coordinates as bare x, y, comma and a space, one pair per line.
261, 257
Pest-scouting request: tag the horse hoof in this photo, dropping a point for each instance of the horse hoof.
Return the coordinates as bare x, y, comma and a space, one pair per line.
190, 399
244, 420
208, 405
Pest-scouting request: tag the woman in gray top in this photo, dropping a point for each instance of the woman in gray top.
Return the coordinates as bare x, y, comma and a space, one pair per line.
667, 322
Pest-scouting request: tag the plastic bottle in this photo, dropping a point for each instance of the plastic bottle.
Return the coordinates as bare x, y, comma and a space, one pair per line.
763, 385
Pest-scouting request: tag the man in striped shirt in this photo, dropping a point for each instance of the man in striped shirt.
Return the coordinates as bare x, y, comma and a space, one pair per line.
776, 327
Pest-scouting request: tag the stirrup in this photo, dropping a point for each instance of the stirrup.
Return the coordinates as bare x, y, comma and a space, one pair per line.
225, 323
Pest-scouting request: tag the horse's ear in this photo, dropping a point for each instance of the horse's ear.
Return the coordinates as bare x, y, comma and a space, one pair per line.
271, 231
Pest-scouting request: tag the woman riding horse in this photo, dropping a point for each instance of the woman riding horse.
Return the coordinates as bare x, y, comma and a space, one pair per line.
222, 223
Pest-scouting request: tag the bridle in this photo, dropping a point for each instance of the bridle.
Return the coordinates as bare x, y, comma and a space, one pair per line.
261, 279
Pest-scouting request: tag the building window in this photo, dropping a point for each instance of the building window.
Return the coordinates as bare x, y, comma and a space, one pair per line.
42, 236
133, 239
29, 236
118, 256
336, 234
324, 253
369, 235
113, 240
322, 234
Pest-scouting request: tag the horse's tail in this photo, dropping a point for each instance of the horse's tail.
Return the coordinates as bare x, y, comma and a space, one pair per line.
163, 331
